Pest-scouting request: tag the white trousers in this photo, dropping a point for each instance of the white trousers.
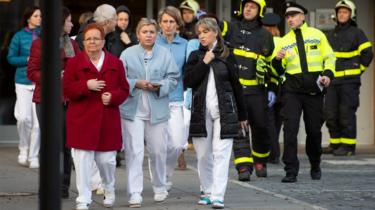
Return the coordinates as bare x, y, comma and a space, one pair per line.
27, 122
213, 155
176, 137
83, 162
135, 134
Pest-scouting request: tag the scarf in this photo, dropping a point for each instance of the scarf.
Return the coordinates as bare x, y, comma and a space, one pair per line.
66, 44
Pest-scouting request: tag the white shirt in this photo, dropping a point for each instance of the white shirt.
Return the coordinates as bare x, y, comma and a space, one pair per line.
99, 65
143, 109
212, 104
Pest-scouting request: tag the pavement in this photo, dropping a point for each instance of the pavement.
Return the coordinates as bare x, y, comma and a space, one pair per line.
347, 183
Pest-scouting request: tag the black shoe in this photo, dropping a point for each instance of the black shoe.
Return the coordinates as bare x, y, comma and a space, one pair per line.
316, 173
244, 175
260, 170
344, 150
65, 193
289, 178
327, 150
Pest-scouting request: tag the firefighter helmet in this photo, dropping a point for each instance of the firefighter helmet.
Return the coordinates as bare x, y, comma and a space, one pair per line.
349, 5
260, 3
190, 5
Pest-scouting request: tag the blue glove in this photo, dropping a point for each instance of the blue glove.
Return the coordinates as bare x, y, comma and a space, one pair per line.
271, 98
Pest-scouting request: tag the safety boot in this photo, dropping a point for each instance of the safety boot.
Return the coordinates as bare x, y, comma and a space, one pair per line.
330, 148
261, 169
244, 175
344, 150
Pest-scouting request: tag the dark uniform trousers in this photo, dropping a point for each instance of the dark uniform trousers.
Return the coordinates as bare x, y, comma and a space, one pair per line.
274, 127
256, 107
312, 107
341, 104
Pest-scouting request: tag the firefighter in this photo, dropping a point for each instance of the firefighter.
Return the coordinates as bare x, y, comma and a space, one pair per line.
354, 54
249, 40
307, 60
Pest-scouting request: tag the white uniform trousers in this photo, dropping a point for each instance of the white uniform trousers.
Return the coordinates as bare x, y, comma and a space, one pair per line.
135, 133
27, 122
213, 155
83, 162
176, 137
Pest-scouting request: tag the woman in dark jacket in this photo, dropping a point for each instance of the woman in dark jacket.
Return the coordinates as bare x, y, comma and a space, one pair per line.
217, 108
68, 50
122, 37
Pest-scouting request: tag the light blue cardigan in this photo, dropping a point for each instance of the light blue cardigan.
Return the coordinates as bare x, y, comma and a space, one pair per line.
178, 50
161, 68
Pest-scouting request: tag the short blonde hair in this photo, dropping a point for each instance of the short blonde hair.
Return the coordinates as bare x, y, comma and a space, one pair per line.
146, 22
174, 13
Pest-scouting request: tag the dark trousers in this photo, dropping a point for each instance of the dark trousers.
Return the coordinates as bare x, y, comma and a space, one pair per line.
312, 107
274, 127
341, 104
67, 156
256, 106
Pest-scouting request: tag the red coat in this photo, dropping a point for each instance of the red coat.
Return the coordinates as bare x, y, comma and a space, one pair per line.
90, 124
34, 68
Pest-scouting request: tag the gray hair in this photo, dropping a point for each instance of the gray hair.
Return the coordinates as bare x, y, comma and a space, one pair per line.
104, 12
211, 24
146, 22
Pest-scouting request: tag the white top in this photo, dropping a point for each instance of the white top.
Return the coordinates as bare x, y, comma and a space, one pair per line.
212, 104
143, 109
99, 65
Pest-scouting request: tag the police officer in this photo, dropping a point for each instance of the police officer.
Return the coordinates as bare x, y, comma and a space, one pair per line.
306, 58
249, 41
354, 54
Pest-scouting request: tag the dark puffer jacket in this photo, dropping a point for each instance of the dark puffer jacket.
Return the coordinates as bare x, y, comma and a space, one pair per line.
229, 92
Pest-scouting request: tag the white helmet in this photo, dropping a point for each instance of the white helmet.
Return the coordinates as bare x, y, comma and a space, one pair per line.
349, 5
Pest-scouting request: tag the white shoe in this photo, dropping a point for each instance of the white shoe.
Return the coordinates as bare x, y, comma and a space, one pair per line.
109, 199
22, 160
34, 164
168, 185
160, 197
82, 206
135, 201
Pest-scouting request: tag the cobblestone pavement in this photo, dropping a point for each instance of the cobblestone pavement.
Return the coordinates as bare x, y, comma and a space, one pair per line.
347, 183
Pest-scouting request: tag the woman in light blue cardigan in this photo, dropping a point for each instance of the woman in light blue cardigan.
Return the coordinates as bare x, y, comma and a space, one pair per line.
152, 75
170, 21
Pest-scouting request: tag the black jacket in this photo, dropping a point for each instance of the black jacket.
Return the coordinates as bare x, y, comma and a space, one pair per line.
229, 92
251, 37
347, 38
114, 44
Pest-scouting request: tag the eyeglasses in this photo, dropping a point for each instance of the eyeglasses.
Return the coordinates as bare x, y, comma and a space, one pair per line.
93, 39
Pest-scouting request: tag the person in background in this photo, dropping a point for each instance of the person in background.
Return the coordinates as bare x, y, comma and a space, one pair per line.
85, 17
170, 22
105, 16
69, 49
354, 54
122, 37
270, 22
250, 41
152, 74
25, 110
189, 13
217, 110
189, 9
307, 73
95, 84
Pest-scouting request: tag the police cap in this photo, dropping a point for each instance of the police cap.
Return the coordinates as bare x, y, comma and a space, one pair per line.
271, 19
294, 8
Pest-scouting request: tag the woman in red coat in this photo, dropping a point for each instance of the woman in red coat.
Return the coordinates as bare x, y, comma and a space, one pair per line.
94, 82
69, 49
